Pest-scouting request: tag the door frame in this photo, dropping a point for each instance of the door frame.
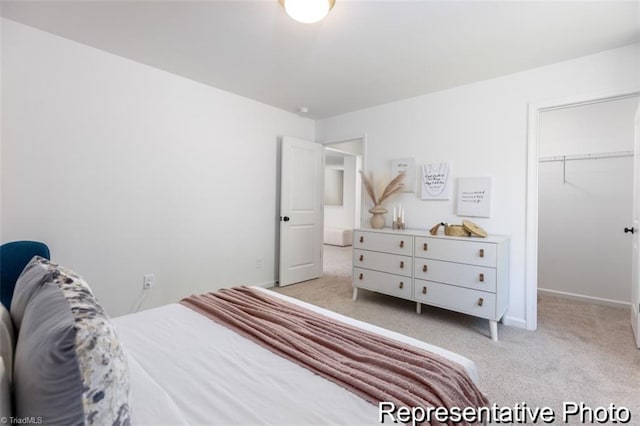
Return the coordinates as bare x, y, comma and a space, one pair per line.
362, 137
531, 231
635, 249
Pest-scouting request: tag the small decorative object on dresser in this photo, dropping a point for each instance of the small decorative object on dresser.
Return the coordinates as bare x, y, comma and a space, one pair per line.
398, 218
467, 229
377, 220
378, 212
462, 274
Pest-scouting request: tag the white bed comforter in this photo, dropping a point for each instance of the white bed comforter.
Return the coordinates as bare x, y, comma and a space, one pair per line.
186, 369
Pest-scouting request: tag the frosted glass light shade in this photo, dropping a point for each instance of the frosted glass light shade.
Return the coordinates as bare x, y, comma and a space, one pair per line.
307, 11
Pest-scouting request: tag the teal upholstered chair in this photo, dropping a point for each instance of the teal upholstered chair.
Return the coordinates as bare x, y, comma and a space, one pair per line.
14, 257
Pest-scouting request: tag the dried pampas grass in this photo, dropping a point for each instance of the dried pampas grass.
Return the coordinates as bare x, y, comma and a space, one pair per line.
392, 187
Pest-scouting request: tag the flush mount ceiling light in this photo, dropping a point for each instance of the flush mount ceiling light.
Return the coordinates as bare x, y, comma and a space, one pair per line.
307, 11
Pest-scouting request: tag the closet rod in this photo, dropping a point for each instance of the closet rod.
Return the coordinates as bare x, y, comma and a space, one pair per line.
592, 156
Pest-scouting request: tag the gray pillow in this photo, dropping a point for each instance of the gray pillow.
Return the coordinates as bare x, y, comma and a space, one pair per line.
32, 277
7, 341
5, 394
69, 365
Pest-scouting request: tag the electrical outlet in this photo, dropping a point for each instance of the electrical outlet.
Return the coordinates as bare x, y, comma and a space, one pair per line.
148, 281
259, 262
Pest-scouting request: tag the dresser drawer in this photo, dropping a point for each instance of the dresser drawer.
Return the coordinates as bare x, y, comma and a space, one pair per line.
388, 243
382, 282
470, 276
474, 302
392, 263
474, 253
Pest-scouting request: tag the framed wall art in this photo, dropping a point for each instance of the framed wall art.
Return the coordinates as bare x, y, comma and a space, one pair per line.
408, 166
435, 181
474, 196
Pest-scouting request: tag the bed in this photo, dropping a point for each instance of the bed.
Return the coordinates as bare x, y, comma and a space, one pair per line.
173, 365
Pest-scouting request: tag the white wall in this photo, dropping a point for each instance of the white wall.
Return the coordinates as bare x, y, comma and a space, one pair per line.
333, 185
582, 249
124, 170
344, 216
349, 215
481, 129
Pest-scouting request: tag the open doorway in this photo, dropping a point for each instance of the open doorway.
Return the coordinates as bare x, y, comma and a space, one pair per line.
342, 203
535, 152
585, 199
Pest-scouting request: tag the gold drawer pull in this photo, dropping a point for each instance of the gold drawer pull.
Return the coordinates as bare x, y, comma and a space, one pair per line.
481, 278
424, 268
361, 276
361, 258
401, 284
402, 264
401, 244
480, 301
424, 290
362, 238
425, 246
481, 252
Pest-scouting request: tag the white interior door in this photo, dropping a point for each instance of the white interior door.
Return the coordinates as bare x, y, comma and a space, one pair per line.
635, 262
301, 210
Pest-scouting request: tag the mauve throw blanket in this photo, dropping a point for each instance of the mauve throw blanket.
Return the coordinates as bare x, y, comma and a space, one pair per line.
374, 367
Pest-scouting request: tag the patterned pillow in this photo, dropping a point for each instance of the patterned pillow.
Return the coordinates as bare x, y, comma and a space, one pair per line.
70, 367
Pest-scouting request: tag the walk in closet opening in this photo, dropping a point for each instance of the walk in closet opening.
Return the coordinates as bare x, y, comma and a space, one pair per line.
585, 195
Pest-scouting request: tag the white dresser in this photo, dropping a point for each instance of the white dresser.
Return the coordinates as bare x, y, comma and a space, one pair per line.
463, 274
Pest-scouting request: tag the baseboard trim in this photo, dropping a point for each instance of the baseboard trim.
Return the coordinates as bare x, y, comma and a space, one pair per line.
514, 322
267, 284
588, 299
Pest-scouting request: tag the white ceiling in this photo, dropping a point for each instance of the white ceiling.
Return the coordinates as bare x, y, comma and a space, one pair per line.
364, 53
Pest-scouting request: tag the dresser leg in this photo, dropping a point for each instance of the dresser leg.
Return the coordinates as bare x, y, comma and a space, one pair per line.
493, 326
355, 294
418, 307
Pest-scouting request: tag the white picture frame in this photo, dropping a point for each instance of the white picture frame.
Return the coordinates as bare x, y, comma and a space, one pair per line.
474, 196
408, 166
435, 181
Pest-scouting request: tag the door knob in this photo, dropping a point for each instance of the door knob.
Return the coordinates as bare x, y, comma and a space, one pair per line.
286, 218
632, 230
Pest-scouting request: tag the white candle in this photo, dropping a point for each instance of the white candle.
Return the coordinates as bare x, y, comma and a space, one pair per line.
402, 219
399, 210
394, 214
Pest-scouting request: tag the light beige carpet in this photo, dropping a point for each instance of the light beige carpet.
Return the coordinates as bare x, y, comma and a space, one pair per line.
580, 352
